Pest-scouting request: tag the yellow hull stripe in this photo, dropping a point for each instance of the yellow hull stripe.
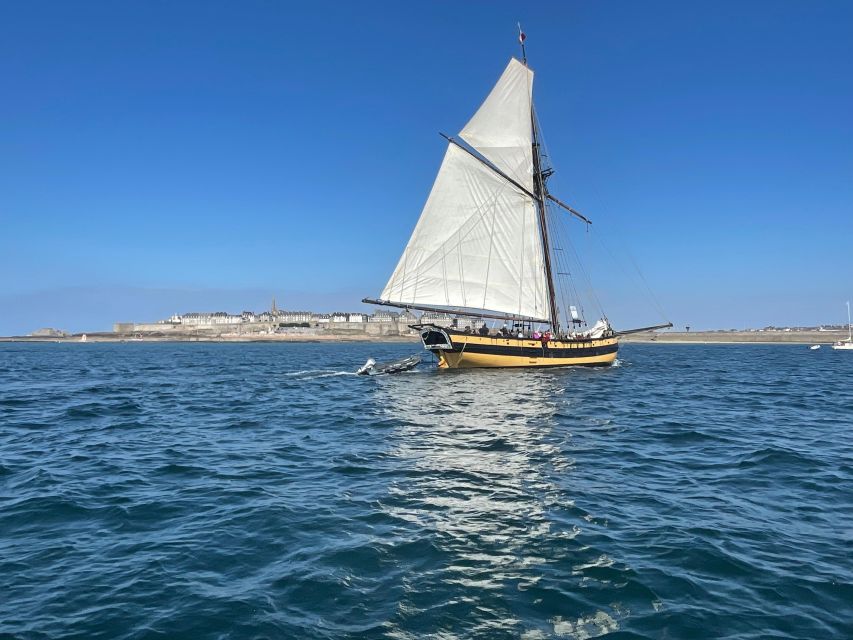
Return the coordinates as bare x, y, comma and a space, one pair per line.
534, 356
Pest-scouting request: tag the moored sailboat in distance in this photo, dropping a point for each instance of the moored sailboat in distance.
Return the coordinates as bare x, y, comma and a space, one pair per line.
482, 248
844, 345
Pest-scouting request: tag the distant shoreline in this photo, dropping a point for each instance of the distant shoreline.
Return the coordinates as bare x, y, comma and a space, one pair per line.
736, 337
670, 337
114, 337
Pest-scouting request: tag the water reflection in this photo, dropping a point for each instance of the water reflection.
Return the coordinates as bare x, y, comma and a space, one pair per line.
480, 450
475, 445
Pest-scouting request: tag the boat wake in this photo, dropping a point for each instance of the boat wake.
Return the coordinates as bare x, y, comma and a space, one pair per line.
314, 374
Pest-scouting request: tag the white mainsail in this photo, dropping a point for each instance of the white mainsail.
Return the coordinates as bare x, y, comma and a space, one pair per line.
502, 129
477, 244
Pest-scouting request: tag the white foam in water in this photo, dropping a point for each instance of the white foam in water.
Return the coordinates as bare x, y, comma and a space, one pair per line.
598, 624
313, 374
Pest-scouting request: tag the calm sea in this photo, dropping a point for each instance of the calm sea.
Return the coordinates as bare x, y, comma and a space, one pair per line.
263, 491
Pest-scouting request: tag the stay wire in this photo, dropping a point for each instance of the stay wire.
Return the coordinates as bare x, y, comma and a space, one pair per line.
567, 283
642, 279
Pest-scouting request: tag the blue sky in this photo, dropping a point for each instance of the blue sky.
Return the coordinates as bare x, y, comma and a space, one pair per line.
159, 156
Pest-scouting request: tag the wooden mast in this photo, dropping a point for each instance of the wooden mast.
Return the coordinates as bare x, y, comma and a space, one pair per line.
540, 194
539, 190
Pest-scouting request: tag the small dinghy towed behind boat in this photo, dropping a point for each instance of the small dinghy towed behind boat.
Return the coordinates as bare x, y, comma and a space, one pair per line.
372, 368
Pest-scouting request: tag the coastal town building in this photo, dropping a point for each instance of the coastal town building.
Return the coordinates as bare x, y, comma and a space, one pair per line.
275, 320
212, 319
49, 332
438, 319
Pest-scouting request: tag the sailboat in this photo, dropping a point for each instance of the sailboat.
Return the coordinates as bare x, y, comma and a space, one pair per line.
845, 345
481, 248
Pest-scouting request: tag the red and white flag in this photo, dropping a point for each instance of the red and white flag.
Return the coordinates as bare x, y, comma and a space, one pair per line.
521, 36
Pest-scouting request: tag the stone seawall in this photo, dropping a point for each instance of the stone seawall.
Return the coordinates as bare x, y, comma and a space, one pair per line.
351, 329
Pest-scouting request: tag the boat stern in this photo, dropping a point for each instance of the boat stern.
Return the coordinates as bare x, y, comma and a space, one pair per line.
434, 337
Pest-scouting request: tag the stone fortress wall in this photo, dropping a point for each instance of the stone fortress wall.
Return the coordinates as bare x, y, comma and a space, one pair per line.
398, 326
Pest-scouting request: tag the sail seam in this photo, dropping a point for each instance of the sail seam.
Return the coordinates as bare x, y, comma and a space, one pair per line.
491, 246
459, 235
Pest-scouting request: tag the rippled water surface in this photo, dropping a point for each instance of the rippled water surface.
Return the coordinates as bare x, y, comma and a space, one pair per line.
261, 490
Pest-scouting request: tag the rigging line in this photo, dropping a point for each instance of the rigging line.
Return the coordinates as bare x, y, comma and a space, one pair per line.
540, 210
560, 258
552, 197
648, 291
651, 293
564, 227
523, 247
444, 273
396, 277
544, 152
583, 274
461, 268
566, 238
565, 298
572, 292
482, 210
588, 281
540, 190
535, 136
491, 245
465, 229
405, 256
543, 175
488, 204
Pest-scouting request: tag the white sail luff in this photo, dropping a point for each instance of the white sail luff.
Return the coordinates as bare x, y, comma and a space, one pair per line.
502, 128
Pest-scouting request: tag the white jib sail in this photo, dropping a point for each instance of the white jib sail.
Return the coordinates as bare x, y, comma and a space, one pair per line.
475, 246
502, 128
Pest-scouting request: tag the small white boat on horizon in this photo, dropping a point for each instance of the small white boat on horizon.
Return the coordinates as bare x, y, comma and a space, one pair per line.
814, 347
845, 345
